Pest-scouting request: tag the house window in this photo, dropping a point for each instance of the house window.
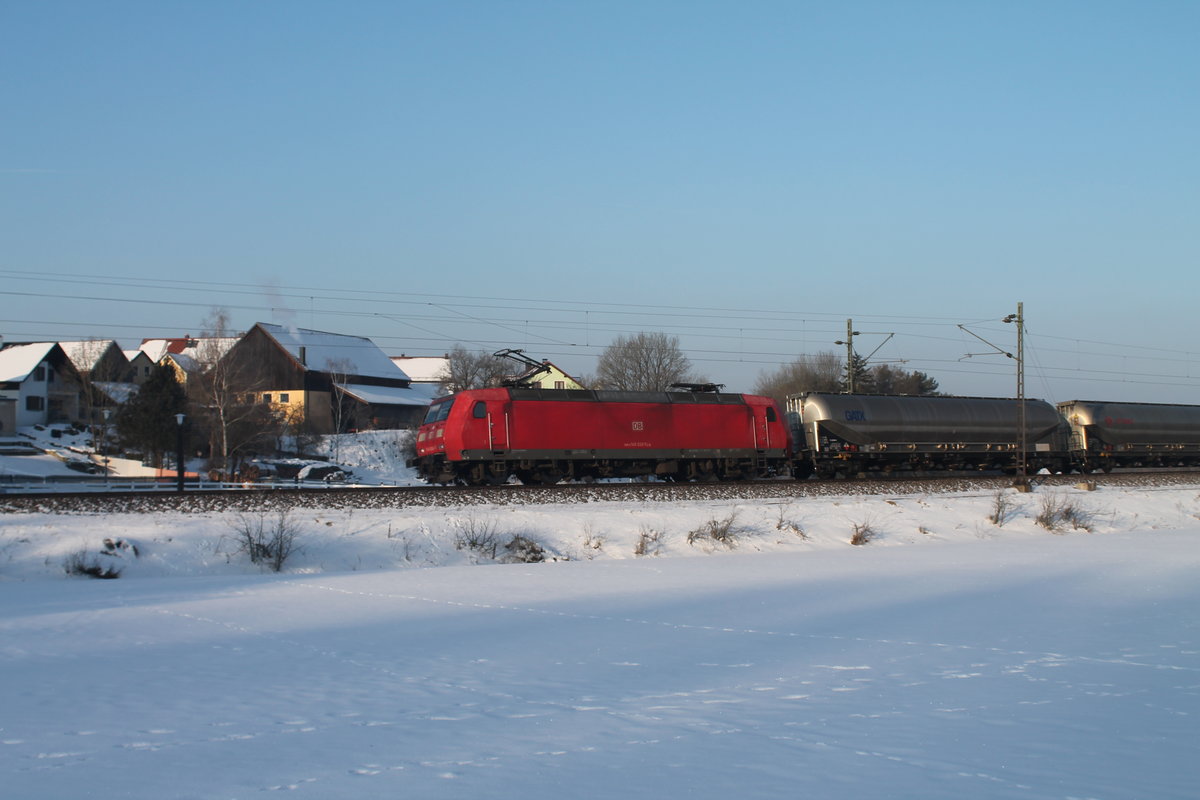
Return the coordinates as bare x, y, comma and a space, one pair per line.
39, 373
283, 397
560, 384
266, 397
35, 403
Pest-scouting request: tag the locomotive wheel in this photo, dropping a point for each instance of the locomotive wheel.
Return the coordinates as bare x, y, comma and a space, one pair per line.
481, 475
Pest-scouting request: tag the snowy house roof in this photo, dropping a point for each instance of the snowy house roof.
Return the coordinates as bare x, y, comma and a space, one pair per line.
424, 369
208, 348
18, 360
86, 355
183, 361
192, 346
354, 356
154, 348
117, 392
414, 395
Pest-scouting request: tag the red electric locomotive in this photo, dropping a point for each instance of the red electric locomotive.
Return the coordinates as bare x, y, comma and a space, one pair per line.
486, 436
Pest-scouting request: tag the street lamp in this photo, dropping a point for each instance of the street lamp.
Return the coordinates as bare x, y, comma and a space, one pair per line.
179, 451
104, 443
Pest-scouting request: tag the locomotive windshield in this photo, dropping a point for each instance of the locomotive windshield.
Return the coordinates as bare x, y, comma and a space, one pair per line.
438, 411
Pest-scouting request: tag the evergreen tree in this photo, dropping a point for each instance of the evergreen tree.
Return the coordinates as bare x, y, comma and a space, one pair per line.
858, 376
916, 383
146, 422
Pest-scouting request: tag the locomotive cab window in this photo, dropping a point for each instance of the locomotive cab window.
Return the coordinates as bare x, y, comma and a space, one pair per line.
480, 410
770, 413
438, 412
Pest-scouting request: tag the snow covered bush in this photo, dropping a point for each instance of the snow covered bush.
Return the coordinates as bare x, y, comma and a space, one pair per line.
1058, 512
83, 562
648, 543
863, 533
477, 536
592, 542
107, 563
785, 524
523, 550
721, 531
268, 542
1004, 508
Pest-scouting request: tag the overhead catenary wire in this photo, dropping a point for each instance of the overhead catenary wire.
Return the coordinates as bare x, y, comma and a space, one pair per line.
566, 327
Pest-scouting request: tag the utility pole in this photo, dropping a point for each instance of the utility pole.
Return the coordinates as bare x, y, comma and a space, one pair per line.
1022, 461
1022, 481
850, 334
851, 366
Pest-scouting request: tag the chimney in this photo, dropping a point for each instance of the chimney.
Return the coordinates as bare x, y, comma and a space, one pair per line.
303, 356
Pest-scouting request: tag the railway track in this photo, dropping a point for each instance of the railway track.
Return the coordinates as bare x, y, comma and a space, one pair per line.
215, 501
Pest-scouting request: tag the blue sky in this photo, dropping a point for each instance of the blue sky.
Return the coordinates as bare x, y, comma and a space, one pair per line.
549, 175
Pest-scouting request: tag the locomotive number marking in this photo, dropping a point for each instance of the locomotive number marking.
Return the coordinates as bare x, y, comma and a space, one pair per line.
638, 425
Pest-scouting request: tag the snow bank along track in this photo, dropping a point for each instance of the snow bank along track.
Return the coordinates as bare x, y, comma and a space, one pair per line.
409, 497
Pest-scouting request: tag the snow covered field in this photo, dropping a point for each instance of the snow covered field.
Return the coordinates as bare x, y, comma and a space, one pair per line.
947, 658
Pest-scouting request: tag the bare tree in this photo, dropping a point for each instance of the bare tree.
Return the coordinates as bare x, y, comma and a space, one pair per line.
473, 369
339, 370
226, 388
643, 362
819, 373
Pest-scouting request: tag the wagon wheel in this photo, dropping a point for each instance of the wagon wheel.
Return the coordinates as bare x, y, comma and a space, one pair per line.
547, 477
802, 470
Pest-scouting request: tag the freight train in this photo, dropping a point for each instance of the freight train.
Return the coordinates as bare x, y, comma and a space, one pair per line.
489, 436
